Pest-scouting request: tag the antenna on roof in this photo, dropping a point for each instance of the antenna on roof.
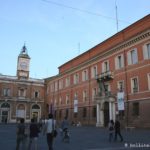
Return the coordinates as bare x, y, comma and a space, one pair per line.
116, 14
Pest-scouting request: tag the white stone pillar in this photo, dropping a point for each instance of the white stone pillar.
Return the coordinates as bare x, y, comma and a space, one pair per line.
110, 111
98, 115
114, 111
101, 118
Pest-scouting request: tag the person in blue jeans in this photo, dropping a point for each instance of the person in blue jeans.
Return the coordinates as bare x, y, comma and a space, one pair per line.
50, 125
34, 132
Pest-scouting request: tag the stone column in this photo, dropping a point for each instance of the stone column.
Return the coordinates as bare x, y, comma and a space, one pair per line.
98, 115
114, 111
101, 117
110, 111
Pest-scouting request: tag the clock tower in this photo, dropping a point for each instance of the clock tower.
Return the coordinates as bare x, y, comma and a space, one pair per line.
23, 64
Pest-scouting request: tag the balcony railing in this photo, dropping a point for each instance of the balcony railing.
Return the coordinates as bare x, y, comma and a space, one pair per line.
135, 89
108, 75
103, 95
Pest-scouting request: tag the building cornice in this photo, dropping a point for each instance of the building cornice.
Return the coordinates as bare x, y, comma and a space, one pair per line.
126, 44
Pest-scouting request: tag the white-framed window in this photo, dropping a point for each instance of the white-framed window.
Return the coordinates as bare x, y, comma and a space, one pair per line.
84, 75
22, 92
67, 81
148, 75
105, 66
119, 61
47, 91
52, 87
146, 51
36, 94
94, 71
76, 95
60, 84
6, 92
107, 87
55, 102
94, 92
67, 99
56, 85
60, 100
84, 95
134, 85
132, 56
76, 78
120, 85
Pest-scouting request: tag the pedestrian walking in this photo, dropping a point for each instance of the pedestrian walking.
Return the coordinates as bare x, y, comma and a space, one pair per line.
111, 130
118, 131
65, 129
20, 135
34, 132
65, 124
50, 126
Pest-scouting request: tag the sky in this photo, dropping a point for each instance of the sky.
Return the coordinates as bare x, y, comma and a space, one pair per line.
56, 31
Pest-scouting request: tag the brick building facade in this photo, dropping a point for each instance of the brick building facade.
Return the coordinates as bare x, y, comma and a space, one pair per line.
111, 79
21, 96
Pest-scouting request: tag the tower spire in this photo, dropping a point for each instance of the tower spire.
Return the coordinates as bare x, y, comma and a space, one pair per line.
24, 52
24, 49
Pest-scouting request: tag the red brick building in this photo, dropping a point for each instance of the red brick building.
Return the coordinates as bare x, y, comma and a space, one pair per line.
111, 79
21, 96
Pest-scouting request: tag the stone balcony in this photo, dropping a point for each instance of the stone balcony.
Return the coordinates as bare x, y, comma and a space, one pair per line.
105, 76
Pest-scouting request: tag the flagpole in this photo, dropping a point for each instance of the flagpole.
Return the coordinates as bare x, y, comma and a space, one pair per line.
116, 14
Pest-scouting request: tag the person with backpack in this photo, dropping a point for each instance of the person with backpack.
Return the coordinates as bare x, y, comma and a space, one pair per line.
50, 127
111, 129
21, 135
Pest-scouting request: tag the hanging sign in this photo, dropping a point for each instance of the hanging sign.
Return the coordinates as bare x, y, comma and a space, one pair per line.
120, 100
75, 105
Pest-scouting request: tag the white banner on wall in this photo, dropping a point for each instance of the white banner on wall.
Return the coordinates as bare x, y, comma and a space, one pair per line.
75, 105
20, 113
120, 100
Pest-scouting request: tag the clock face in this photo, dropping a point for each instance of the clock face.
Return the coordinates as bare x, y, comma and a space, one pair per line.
23, 65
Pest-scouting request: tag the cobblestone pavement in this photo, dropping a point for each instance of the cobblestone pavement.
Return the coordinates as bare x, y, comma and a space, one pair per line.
82, 138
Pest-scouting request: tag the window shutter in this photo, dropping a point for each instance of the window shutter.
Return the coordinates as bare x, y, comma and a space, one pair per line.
136, 56
149, 81
145, 54
92, 72
74, 79
108, 65
83, 76
87, 77
116, 62
129, 58
122, 60
103, 67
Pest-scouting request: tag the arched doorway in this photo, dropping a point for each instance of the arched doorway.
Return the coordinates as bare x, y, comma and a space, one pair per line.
106, 113
20, 111
5, 112
36, 112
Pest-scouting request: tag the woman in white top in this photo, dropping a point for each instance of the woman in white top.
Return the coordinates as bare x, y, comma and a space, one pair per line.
50, 126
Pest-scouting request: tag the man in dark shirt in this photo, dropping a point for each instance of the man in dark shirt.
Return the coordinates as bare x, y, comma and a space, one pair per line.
20, 134
34, 131
117, 131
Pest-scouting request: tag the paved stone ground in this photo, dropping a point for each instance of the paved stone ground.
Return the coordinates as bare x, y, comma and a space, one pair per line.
82, 138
